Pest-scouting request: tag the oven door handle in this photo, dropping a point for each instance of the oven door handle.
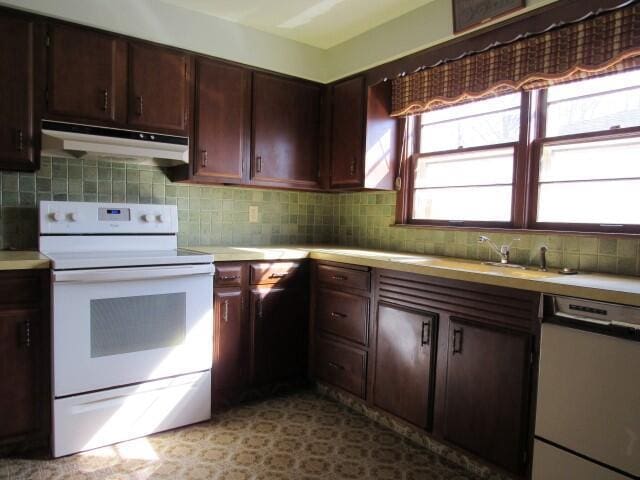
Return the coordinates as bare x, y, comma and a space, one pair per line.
130, 274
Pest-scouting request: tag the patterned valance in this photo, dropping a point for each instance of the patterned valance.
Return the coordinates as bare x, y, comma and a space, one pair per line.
605, 43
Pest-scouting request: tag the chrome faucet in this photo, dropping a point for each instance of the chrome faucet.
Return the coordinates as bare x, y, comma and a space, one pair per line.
503, 251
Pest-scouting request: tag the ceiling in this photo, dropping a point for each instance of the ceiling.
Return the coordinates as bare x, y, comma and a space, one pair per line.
320, 23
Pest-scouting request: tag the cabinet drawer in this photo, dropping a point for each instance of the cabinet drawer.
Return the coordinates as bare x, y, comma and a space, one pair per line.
270, 273
342, 366
344, 277
229, 275
20, 288
343, 314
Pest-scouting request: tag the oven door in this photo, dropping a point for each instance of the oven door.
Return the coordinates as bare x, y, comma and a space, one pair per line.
121, 326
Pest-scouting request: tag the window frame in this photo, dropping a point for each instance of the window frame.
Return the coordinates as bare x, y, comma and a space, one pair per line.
526, 169
520, 158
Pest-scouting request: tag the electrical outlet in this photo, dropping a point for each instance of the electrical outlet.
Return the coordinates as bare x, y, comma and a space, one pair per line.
253, 214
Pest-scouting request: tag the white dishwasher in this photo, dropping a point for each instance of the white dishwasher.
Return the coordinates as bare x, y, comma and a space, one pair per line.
588, 408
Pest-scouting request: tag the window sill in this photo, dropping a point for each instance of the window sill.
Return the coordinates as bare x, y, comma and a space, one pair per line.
527, 231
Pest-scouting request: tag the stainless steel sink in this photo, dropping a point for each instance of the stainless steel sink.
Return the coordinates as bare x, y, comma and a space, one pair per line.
506, 265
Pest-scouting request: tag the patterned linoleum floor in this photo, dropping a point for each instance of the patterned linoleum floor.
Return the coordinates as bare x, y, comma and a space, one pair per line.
301, 436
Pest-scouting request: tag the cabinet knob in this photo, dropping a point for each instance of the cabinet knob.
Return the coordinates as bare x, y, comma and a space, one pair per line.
226, 278
225, 314
19, 140
352, 167
425, 337
26, 334
140, 109
105, 100
457, 341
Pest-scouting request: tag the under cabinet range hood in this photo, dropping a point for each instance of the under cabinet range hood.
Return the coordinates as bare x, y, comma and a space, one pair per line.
87, 141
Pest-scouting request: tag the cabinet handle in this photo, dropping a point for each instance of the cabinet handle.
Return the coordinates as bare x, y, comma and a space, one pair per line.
457, 340
337, 315
19, 140
204, 158
338, 277
225, 315
259, 308
105, 98
228, 277
425, 337
352, 167
140, 110
258, 164
26, 334
335, 365
277, 275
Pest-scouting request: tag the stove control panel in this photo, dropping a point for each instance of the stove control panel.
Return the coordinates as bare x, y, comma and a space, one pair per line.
77, 218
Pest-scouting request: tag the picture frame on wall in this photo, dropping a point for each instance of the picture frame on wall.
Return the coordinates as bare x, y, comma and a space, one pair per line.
471, 13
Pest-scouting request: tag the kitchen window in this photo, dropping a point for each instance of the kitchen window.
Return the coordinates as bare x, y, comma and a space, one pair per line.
464, 171
576, 146
587, 162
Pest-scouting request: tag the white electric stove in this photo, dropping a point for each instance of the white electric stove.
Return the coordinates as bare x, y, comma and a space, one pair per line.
131, 323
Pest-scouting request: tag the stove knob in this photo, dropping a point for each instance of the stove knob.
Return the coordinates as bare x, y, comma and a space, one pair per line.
160, 218
55, 216
146, 218
73, 216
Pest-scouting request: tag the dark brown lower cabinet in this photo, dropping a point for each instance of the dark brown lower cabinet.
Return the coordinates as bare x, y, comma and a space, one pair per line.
279, 315
24, 360
341, 365
404, 367
231, 345
487, 391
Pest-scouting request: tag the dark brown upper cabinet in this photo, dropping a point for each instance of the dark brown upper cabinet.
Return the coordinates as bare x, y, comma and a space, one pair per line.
87, 75
363, 138
286, 132
222, 122
160, 86
21, 44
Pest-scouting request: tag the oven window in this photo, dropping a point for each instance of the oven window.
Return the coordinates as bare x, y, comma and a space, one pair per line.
134, 324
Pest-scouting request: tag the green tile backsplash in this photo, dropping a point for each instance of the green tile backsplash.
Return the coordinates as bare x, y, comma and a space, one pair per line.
216, 215
366, 219
208, 215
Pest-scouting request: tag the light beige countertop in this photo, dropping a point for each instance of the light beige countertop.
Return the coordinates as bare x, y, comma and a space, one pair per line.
606, 288
22, 260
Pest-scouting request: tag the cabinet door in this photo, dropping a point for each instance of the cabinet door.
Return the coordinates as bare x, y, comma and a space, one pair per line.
18, 137
231, 341
487, 386
19, 392
159, 86
404, 363
279, 333
347, 133
222, 121
87, 75
286, 122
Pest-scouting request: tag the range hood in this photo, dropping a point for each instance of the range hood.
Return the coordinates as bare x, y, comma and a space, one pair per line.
86, 141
